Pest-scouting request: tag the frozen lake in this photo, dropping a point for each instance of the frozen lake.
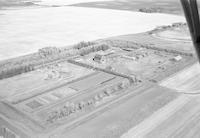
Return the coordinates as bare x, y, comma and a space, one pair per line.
26, 30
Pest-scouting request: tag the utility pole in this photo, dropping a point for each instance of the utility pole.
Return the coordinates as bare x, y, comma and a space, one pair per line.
190, 8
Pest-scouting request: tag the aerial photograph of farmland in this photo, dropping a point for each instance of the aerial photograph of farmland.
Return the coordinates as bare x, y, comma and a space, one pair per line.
99, 69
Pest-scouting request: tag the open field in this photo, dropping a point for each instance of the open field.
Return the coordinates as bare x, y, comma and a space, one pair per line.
147, 39
186, 81
35, 28
42, 79
92, 81
119, 119
175, 116
178, 34
183, 123
156, 118
164, 6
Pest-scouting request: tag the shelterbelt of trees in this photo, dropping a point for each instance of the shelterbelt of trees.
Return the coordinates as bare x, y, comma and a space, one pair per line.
10, 3
12, 67
134, 45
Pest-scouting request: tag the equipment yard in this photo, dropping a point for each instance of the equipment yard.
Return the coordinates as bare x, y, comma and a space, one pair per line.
131, 59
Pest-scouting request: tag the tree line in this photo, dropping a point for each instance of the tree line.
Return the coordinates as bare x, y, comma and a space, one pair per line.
135, 45
71, 108
12, 67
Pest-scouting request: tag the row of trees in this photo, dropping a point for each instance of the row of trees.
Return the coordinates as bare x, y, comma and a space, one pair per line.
135, 45
46, 55
150, 10
167, 50
179, 24
94, 48
10, 72
70, 108
132, 79
47, 51
166, 27
83, 44
9, 3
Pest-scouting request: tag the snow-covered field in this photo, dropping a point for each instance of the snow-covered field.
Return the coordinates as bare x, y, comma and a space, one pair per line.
26, 30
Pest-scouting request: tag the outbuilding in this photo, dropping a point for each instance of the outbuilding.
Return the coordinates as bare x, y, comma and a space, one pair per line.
99, 58
177, 58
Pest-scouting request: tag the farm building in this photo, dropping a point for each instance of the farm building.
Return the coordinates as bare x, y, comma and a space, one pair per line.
99, 58
177, 58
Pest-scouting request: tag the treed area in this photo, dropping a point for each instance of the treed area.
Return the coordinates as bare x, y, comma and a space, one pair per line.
46, 55
11, 3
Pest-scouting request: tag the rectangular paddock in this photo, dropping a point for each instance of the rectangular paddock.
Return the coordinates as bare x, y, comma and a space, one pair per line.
96, 79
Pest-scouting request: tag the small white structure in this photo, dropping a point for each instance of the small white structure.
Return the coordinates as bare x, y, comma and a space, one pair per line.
129, 57
177, 58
